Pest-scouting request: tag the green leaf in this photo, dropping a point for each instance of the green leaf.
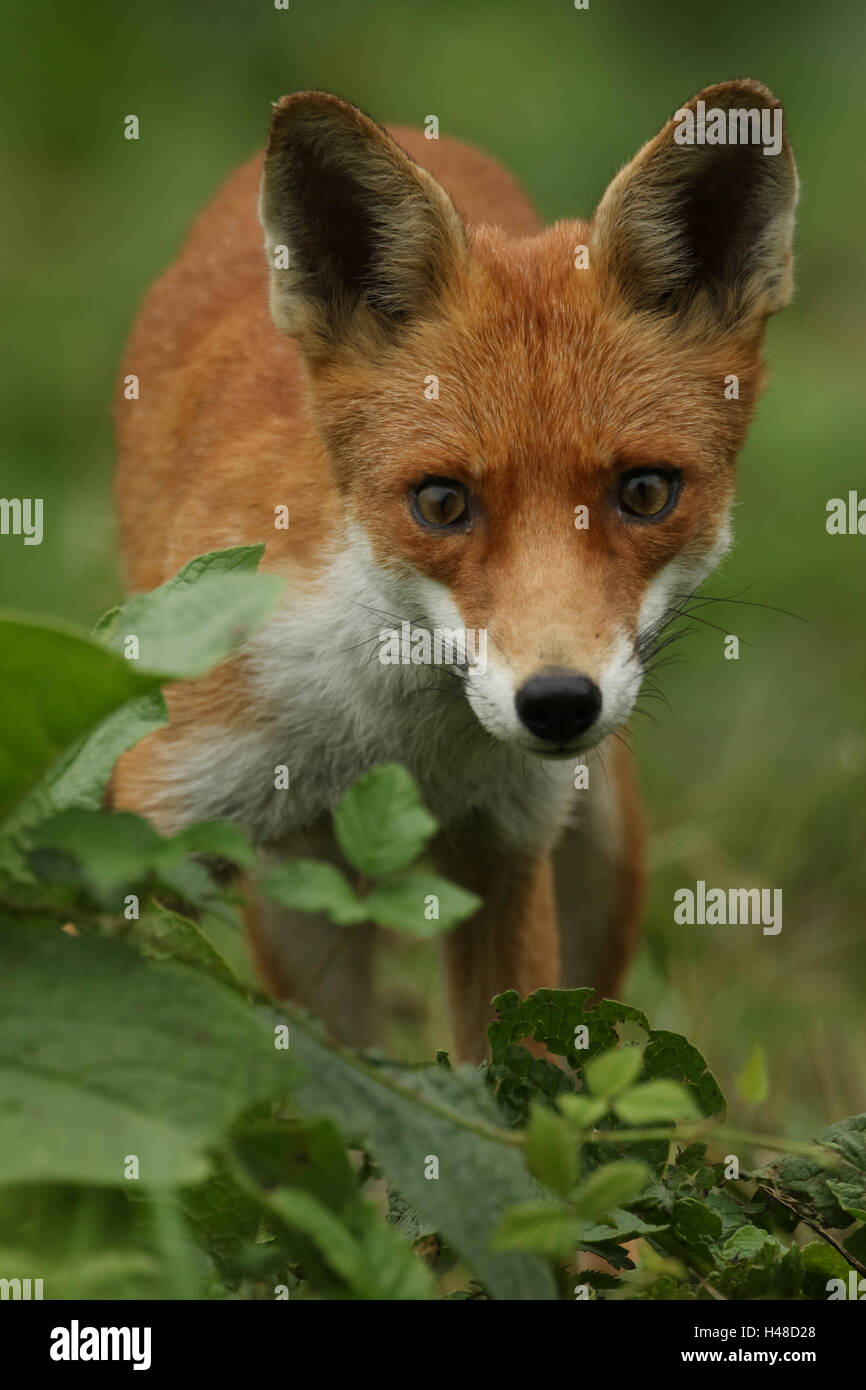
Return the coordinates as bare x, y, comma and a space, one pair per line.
403, 905
695, 1223
112, 850
550, 1149
56, 683
753, 1082
823, 1262
161, 934
78, 778
405, 1116
656, 1102
746, 1243
830, 1195
307, 885
613, 1185
543, 1229
221, 838
619, 1225
570, 1024
670, 1055
581, 1111
610, 1073
186, 627
303, 1178
103, 1054
552, 1016
380, 822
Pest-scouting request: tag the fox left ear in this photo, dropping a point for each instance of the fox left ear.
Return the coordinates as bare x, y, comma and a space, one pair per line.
699, 225
360, 238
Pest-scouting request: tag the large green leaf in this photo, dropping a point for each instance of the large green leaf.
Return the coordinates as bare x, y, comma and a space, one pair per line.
380, 822
103, 1054
56, 683
195, 619
408, 1117
77, 779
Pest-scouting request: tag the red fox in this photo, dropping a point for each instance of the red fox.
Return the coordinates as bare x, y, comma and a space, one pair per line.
477, 424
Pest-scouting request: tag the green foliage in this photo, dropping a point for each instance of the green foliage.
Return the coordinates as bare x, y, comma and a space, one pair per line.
381, 827
165, 1131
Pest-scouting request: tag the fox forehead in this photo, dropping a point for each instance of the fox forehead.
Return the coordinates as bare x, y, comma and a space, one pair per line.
537, 367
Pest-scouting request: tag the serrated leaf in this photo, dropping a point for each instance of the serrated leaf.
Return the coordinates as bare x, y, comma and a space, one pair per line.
619, 1225
559, 1018
380, 823
695, 1223
671, 1055
748, 1242
306, 885
403, 905
805, 1182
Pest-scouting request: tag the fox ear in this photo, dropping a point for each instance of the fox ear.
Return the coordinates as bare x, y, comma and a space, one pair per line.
359, 237
699, 225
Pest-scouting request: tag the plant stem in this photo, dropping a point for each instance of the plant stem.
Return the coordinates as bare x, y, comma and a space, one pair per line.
707, 1129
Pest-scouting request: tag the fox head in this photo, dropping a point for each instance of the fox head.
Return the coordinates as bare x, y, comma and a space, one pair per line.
567, 481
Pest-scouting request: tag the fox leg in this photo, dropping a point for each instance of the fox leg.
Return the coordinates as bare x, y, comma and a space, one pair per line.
599, 877
304, 957
510, 943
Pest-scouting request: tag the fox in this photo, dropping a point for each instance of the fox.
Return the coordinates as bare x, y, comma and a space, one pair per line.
476, 423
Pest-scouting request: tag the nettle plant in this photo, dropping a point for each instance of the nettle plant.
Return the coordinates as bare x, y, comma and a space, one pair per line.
168, 1131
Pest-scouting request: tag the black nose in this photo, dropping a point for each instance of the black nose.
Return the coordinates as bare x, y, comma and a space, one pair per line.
558, 706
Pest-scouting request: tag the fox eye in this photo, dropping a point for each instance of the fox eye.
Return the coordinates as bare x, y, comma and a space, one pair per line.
441, 503
647, 492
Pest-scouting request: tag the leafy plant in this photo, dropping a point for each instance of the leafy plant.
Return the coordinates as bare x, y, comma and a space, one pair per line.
167, 1131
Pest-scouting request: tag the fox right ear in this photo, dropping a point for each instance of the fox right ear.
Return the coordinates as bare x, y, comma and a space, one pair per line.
700, 225
360, 239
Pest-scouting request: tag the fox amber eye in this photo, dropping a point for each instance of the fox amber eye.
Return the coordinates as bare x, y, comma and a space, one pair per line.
646, 492
441, 503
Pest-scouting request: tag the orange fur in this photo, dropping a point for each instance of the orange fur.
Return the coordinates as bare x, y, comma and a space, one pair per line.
552, 381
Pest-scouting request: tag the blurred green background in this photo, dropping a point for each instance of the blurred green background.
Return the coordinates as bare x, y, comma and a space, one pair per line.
758, 777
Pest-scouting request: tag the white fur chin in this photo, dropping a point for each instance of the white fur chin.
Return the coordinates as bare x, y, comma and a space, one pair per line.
327, 709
